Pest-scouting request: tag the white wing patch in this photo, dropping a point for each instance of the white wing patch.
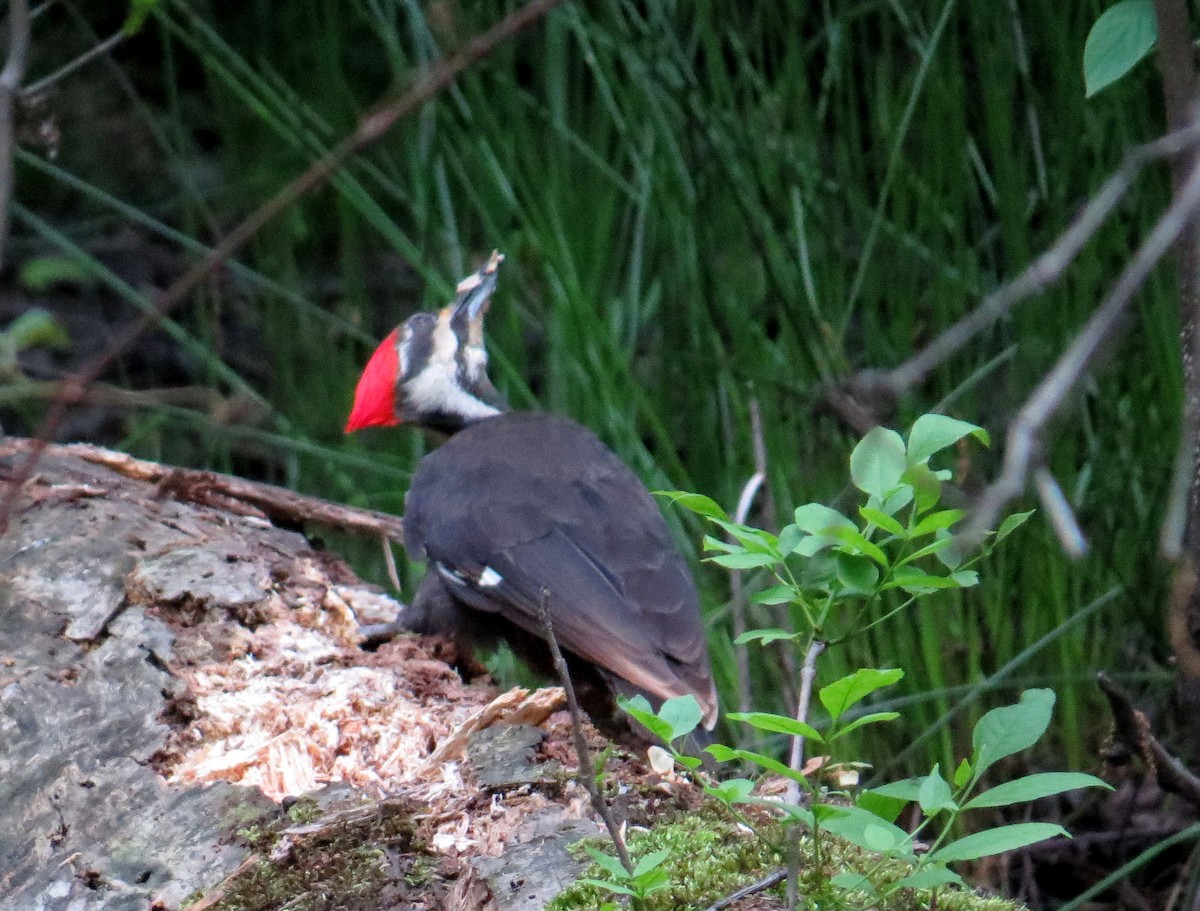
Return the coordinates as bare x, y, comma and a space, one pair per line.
489, 578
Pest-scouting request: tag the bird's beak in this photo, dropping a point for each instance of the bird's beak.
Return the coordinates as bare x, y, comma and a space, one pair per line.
475, 291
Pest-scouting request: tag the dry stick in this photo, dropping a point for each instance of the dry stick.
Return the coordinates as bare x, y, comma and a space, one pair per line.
796, 762
36, 88
1023, 440
273, 502
1133, 729
745, 501
1037, 277
10, 87
587, 769
755, 887
371, 127
1180, 535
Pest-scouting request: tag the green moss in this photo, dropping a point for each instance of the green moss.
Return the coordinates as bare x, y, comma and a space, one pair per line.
357, 865
711, 857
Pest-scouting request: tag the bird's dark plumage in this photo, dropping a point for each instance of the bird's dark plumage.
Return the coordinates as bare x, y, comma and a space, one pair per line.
517, 503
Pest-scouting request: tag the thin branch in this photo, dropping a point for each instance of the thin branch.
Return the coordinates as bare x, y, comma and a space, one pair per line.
745, 501
373, 125
36, 88
1040, 275
807, 674
1132, 728
796, 761
587, 769
1058, 510
754, 888
232, 494
10, 86
1024, 435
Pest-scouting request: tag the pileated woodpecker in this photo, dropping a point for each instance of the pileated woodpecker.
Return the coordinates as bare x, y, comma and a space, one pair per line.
517, 504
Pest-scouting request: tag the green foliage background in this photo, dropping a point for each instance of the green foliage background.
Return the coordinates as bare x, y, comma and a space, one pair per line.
701, 203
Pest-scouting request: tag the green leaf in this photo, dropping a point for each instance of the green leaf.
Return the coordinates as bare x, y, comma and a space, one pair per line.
39, 274
777, 724
935, 795
614, 888
888, 808
815, 518
639, 708
682, 713
1124, 34
696, 502
997, 841
36, 328
915, 582
935, 521
966, 578
951, 555
933, 547
963, 773
732, 790
765, 636
884, 521
934, 432
819, 522
722, 753
877, 462
862, 721
776, 594
842, 694
856, 542
789, 537
907, 789
749, 537
856, 573
650, 862
853, 882
927, 489
608, 863
1012, 523
743, 560
930, 877
896, 500
1011, 728
865, 829
1034, 787
711, 543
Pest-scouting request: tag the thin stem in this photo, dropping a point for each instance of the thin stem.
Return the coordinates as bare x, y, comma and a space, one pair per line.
587, 770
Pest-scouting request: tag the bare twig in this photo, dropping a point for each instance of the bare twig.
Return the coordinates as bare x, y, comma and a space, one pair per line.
745, 501
1177, 66
36, 88
10, 86
587, 769
796, 761
373, 125
754, 888
1133, 729
1058, 510
231, 493
389, 560
807, 674
1024, 435
1037, 277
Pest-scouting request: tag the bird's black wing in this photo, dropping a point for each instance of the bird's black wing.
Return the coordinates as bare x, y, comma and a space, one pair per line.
521, 503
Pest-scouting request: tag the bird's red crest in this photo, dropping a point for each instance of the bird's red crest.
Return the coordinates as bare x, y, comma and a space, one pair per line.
375, 396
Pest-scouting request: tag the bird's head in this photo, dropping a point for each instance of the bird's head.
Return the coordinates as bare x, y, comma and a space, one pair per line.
432, 370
